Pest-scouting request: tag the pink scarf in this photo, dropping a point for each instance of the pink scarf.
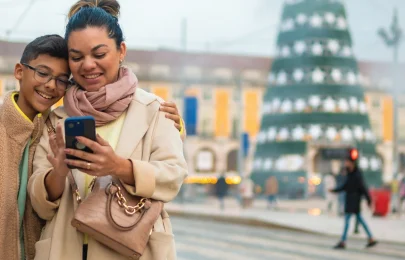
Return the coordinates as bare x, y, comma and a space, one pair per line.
106, 104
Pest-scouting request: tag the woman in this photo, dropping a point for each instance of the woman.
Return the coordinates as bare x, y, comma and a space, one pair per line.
135, 141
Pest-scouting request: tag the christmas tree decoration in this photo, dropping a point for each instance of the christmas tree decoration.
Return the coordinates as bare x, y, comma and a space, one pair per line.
314, 98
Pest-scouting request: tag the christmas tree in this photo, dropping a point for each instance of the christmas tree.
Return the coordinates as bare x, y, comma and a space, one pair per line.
314, 96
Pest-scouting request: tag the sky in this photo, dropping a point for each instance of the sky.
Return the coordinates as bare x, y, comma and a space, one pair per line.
244, 27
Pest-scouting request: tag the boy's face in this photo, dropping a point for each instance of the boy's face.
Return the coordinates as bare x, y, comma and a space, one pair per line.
35, 94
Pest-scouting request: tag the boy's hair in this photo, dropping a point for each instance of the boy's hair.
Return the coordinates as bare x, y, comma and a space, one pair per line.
52, 45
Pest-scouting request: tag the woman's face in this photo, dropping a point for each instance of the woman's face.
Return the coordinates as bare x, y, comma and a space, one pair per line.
94, 58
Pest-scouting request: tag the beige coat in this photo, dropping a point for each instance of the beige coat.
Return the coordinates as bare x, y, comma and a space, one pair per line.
271, 186
15, 131
153, 144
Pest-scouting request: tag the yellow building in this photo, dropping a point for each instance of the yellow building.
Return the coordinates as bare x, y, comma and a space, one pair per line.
228, 89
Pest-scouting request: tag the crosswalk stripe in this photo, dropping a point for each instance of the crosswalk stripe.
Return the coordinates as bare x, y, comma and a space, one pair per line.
243, 252
302, 248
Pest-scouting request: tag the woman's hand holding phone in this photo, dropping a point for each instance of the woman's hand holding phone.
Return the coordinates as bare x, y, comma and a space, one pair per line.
103, 161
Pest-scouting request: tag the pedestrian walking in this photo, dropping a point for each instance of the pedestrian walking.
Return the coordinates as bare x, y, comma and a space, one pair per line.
221, 190
246, 192
271, 192
355, 189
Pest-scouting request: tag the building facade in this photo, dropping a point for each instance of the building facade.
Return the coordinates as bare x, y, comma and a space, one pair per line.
229, 92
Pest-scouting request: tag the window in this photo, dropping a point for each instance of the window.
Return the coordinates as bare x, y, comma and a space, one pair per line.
375, 103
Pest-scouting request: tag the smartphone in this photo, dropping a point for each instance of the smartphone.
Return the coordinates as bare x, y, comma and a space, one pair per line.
79, 126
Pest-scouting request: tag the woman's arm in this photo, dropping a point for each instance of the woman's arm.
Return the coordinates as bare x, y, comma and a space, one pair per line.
162, 176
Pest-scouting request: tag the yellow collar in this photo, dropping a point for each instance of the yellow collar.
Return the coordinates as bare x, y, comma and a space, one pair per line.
13, 96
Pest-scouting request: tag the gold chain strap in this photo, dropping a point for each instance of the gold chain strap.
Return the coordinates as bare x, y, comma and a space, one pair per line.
130, 210
78, 198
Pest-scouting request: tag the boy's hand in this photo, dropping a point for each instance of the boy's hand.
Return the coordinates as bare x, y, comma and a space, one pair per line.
57, 159
172, 113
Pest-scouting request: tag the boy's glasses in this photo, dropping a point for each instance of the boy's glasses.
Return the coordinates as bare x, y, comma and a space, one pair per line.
43, 76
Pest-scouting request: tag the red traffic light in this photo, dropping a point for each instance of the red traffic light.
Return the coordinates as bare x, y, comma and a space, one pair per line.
354, 154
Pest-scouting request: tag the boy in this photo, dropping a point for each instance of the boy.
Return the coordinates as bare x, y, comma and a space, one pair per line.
43, 74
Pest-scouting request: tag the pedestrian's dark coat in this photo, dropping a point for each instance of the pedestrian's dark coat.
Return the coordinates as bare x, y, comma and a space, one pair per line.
355, 188
221, 187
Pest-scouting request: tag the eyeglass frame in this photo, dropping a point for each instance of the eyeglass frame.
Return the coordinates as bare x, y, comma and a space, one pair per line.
51, 77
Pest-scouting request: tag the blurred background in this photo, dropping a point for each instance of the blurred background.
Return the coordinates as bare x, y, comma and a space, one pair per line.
267, 88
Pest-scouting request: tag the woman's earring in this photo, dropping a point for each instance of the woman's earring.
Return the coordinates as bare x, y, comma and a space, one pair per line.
120, 62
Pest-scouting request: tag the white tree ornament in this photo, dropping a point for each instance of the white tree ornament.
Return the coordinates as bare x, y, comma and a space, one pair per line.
298, 133
346, 51
301, 19
283, 134
261, 138
347, 134
333, 46
286, 106
369, 135
294, 162
354, 104
300, 47
336, 75
285, 51
318, 76
316, 21
358, 133
329, 105
267, 108
287, 25
271, 134
351, 78
343, 105
298, 75
330, 18
282, 78
271, 78
300, 105
341, 23
375, 164
331, 133
314, 101
363, 163
281, 164
317, 49
267, 164
362, 107
315, 131
257, 164
276, 104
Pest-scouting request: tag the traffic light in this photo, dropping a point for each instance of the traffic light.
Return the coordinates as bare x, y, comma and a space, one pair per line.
353, 154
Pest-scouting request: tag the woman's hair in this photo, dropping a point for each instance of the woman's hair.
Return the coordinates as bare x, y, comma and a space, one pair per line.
95, 13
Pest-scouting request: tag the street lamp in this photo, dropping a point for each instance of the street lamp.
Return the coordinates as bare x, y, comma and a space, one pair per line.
393, 39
